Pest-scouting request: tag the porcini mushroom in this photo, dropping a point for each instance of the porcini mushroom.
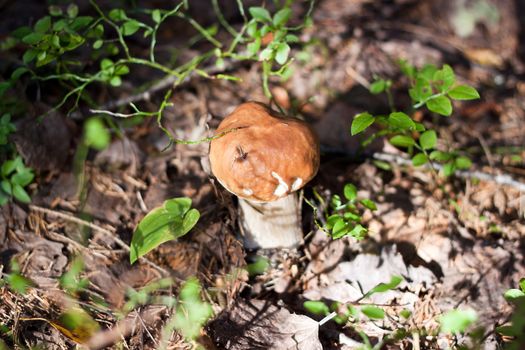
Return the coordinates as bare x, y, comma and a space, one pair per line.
264, 161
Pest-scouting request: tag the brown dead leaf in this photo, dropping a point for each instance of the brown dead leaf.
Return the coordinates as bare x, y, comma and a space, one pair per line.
257, 324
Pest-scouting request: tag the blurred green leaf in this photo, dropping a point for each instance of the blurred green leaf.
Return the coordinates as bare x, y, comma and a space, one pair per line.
350, 192
72, 10
457, 321
156, 16
130, 27
383, 287
428, 139
96, 134
463, 92
419, 159
513, 294
361, 122
43, 25
260, 14
463, 162
281, 17
440, 105
282, 52
373, 312
370, 204
316, 307
401, 121
402, 141
192, 313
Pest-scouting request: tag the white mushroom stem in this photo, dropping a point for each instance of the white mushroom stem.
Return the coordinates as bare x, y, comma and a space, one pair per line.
275, 224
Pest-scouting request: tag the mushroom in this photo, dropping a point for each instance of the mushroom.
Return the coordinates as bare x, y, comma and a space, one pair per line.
264, 161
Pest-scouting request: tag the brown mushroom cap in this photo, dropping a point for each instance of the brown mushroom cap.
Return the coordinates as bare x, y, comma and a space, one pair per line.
267, 157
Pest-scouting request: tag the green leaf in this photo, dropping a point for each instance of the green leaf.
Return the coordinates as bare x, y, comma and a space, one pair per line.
508, 331
463, 92
427, 72
130, 27
72, 10
444, 78
266, 54
5, 185
440, 105
419, 159
251, 29
282, 52
513, 294
281, 17
33, 38
358, 232
55, 10
457, 321
115, 81
440, 156
462, 162
4, 86
361, 122
449, 169
370, 204
98, 44
117, 15
18, 283
95, 134
43, 25
428, 139
290, 38
80, 22
402, 141
8, 167
401, 121
20, 194
170, 221
373, 312
253, 47
192, 313
350, 192
522, 284
17, 73
340, 228
260, 14
156, 16
258, 267
405, 313
23, 178
377, 86
383, 287
29, 55
316, 307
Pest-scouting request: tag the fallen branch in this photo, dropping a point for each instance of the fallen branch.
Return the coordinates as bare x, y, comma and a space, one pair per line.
500, 179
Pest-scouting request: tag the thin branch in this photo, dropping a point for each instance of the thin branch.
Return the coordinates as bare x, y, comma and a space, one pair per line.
500, 179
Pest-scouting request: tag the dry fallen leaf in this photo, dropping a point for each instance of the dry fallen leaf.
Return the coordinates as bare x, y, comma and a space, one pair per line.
257, 324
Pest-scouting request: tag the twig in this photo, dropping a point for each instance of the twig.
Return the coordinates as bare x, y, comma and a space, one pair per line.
71, 218
500, 179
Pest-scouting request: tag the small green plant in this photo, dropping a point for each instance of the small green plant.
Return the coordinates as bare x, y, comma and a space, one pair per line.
430, 87
71, 280
16, 281
343, 215
350, 313
173, 219
515, 328
14, 177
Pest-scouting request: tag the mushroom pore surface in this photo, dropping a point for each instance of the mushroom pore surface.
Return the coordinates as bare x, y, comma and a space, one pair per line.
267, 157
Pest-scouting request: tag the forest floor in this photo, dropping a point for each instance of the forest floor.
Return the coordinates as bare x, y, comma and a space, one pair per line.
459, 242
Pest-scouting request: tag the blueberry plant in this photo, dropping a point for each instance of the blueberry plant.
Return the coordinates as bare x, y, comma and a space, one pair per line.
432, 88
55, 47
